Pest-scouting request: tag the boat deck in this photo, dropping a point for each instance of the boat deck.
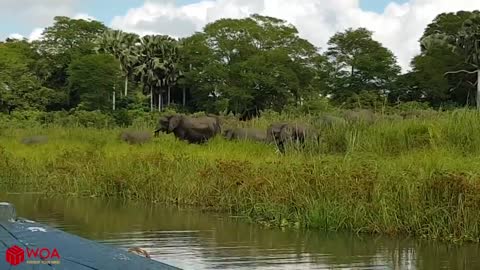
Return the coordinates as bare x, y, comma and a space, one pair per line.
74, 252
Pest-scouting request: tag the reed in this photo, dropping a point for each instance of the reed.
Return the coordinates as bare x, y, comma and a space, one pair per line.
419, 176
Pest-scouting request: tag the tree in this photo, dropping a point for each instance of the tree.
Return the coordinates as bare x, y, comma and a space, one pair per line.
203, 71
65, 40
243, 65
468, 45
19, 87
91, 80
122, 46
448, 46
360, 64
157, 65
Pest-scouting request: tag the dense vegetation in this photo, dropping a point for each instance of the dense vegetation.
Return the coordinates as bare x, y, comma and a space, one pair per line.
237, 66
412, 168
417, 176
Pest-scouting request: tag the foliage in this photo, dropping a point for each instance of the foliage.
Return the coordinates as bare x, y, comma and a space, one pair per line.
360, 64
440, 43
157, 65
122, 46
92, 81
20, 89
66, 40
258, 62
239, 67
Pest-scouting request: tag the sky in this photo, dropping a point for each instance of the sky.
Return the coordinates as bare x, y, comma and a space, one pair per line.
397, 24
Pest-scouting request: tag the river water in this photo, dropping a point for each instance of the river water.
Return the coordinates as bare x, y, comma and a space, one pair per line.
190, 239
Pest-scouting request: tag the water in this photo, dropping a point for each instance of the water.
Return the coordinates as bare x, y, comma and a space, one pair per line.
191, 239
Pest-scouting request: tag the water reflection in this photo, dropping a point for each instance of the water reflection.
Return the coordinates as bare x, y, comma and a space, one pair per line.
194, 240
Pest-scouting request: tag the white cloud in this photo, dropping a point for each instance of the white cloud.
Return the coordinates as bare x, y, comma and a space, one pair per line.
15, 36
399, 26
36, 34
34, 13
84, 16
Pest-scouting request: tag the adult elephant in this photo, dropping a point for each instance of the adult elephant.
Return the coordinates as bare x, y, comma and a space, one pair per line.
329, 121
253, 134
192, 129
282, 133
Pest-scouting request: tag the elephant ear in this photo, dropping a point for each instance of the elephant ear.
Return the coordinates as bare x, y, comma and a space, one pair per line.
174, 122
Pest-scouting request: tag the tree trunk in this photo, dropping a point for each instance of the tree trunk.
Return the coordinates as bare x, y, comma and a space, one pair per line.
160, 102
168, 95
478, 89
151, 100
113, 100
183, 96
126, 85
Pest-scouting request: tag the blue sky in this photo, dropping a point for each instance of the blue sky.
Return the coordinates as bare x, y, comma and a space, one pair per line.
378, 5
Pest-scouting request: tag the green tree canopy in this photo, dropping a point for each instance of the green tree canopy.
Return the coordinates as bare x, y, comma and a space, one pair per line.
360, 64
157, 65
439, 55
65, 40
257, 62
20, 88
92, 79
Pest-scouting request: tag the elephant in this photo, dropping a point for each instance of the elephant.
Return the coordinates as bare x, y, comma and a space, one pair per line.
363, 116
282, 133
253, 134
135, 137
330, 121
34, 140
192, 129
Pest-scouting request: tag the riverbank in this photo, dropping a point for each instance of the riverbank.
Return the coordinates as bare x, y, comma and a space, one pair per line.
417, 177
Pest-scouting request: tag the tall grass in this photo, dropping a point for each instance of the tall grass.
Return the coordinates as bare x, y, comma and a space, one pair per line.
416, 176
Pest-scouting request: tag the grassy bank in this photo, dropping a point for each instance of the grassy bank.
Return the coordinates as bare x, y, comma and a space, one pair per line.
417, 176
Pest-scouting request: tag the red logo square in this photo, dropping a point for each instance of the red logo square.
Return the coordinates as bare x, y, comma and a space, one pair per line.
15, 255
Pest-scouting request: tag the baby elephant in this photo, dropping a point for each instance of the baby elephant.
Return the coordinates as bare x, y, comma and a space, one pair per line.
283, 132
34, 140
135, 137
253, 134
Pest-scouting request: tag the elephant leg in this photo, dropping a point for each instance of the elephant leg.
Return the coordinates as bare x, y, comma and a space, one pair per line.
281, 147
156, 132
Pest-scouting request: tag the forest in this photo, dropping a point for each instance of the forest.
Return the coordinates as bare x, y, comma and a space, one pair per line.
235, 66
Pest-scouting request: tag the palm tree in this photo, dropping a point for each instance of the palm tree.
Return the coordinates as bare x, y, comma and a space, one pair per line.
122, 46
173, 69
157, 65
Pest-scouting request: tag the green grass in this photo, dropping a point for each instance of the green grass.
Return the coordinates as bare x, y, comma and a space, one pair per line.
418, 177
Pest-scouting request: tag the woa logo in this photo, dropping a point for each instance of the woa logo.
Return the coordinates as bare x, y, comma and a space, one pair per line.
16, 255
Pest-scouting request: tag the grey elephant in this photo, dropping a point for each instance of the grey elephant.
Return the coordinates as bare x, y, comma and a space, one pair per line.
328, 121
39, 139
360, 116
282, 133
253, 134
192, 129
135, 137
